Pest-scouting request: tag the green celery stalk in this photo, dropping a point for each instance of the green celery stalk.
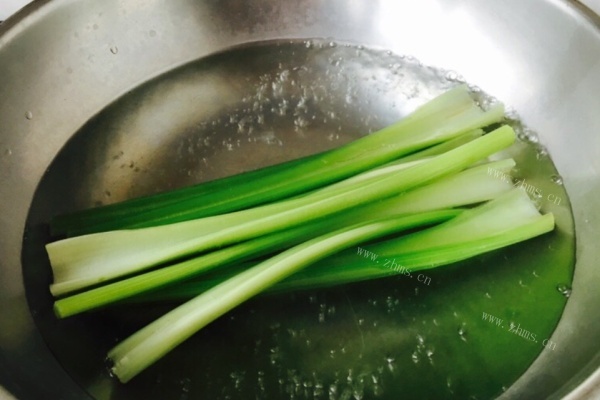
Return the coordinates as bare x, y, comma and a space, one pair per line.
443, 118
444, 146
126, 288
506, 220
91, 259
509, 219
471, 186
151, 343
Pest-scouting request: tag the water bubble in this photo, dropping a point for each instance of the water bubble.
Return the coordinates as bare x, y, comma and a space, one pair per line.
449, 385
292, 332
390, 363
511, 114
451, 76
430, 353
476, 89
564, 290
237, 378
283, 108
333, 389
462, 332
274, 355
114, 49
302, 104
318, 390
300, 122
390, 306
529, 136
420, 341
375, 379
8, 152
415, 357
29, 115
557, 179
321, 317
284, 75
186, 385
333, 137
542, 152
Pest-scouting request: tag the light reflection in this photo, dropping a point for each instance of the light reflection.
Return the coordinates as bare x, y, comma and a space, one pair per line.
449, 36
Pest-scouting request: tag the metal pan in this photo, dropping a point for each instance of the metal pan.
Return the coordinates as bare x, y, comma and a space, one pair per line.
64, 61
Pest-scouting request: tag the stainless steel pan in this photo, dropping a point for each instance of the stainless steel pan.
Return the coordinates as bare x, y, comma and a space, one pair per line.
63, 61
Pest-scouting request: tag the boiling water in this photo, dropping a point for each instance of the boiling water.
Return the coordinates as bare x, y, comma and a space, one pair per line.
435, 335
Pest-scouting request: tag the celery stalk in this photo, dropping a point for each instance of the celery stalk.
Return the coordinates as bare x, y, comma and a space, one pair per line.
509, 219
443, 118
261, 246
471, 186
151, 343
91, 259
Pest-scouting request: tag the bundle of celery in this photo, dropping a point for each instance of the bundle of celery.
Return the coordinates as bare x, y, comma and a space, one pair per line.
253, 232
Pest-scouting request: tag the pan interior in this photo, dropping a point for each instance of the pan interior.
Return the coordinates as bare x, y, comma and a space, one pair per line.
261, 104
